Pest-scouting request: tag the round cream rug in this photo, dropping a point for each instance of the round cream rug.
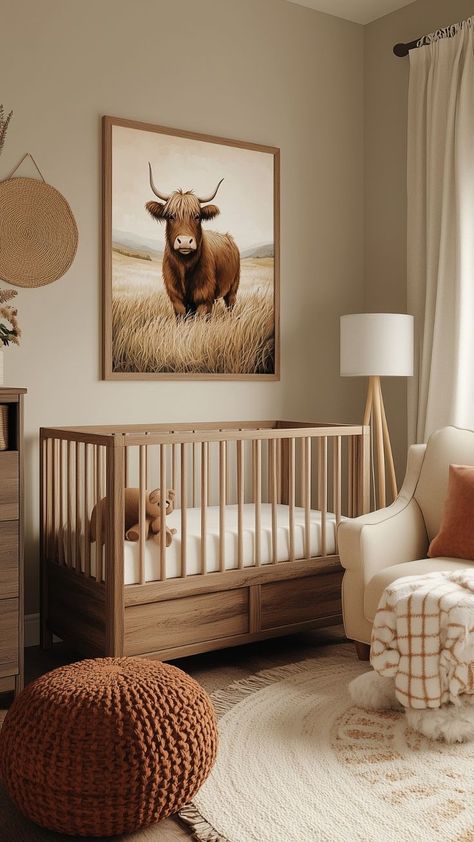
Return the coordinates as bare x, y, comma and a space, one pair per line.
298, 762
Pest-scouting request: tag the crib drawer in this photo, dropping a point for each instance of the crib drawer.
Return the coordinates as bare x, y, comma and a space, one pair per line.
297, 601
179, 622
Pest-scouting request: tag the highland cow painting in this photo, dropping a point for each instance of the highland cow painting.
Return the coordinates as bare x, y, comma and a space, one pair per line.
191, 255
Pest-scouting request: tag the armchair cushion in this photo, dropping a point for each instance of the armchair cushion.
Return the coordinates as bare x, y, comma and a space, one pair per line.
456, 534
375, 588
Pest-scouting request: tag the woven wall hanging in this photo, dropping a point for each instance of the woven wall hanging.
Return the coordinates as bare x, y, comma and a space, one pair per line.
38, 232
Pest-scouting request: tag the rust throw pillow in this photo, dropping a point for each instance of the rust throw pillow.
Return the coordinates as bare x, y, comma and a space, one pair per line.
456, 535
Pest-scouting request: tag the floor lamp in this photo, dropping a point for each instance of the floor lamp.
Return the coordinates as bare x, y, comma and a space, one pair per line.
376, 345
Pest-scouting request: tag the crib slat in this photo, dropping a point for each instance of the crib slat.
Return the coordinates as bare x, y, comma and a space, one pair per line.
42, 491
127, 467
222, 501
254, 474
209, 474
163, 493
364, 473
66, 504
350, 480
45, 503
323, 490
69, 503
46, 496
356, 473
142, 510
103, 492
94, 502
184, 503
194, 472
291, 496
204, 482
302, 471
307, 496
269, 469
258, 500
146, 464
87, 527
273, 492
98, 491
51, 479
61, 550
278, 445
336, 482
227, 475
174, 465
240, 503
54, 500
77, 536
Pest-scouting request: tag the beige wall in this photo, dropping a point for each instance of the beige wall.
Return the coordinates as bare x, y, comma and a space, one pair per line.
261, 70
386, 91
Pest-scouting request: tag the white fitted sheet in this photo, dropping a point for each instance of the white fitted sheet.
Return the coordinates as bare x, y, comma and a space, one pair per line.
193, 543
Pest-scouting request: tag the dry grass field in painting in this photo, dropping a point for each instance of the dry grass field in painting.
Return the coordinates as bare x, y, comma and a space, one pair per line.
147, 337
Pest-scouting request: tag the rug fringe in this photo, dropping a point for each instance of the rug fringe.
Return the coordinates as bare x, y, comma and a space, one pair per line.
225, 699
201, 829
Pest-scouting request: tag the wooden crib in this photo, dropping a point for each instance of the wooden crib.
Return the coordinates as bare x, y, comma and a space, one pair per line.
255, 552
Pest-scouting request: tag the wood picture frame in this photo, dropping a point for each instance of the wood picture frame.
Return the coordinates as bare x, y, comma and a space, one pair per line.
261, 261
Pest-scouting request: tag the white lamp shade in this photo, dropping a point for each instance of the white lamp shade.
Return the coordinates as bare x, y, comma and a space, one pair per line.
379, 344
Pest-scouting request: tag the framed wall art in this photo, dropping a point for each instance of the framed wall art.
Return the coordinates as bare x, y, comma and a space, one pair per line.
190, 255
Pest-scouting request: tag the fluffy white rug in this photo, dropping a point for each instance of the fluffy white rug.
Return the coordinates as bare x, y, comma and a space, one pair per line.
299, 762
451, 723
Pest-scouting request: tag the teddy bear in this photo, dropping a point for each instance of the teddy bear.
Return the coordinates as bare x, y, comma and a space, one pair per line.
132, 515
153, 514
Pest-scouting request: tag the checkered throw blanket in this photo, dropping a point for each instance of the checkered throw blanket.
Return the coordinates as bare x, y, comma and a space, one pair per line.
423, 636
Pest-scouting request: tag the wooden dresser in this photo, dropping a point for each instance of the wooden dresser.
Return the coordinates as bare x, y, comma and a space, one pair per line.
11, 545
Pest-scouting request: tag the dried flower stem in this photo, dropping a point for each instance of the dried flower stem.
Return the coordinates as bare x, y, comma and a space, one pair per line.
4, 122
7, 295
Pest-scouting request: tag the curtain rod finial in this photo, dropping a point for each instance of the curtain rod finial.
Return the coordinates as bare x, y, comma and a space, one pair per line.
401, 50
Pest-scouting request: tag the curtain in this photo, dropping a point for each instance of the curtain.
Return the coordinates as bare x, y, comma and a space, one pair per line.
440, 231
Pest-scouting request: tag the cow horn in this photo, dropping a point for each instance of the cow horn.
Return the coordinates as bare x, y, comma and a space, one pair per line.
155, 191
202, 201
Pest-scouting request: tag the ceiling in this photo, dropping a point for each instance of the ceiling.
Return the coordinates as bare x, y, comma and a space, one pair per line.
359, 11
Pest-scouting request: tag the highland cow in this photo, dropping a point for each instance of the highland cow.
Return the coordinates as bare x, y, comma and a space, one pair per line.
198, 266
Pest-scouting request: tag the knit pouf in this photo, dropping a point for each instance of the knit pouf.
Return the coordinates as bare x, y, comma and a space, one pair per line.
107, 746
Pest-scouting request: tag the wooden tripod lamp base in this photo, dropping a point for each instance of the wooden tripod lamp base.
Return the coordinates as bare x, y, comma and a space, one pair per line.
374, 415
376, 345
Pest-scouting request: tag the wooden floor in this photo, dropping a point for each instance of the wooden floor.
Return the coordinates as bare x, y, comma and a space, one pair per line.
213, 670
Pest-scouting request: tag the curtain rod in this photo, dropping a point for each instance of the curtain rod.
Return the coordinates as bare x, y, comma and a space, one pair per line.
402, 50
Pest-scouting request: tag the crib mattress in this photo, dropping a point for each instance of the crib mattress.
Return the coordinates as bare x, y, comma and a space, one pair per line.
193, 542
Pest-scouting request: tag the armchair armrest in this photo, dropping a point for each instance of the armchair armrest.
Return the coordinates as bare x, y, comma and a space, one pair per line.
389, 536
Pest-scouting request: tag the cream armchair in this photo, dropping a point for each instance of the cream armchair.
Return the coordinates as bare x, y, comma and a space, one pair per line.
378, 548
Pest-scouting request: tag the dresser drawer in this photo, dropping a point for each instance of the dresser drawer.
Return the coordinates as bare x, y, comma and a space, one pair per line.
8, 485
8, 637
9, 569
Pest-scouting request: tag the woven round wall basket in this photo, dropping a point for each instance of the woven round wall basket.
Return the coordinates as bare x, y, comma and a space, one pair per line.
38, 232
